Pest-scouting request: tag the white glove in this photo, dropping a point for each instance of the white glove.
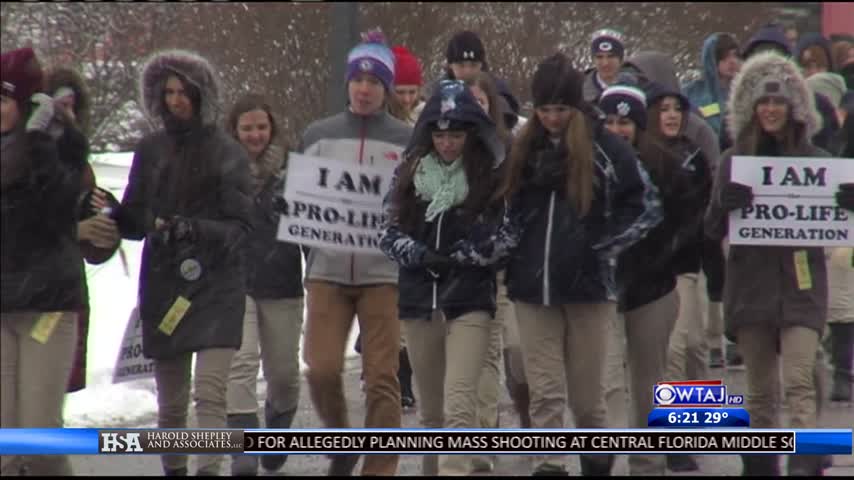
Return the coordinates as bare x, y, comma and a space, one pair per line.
43, 112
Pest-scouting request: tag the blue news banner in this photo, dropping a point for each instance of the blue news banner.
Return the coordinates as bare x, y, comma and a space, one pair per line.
89, 441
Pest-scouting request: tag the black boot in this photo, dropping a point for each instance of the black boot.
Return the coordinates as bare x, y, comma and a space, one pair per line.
275, 419
760, 465
805, 466
596, 465
841, 346
682, 463
404, 375
244, 465
343, 465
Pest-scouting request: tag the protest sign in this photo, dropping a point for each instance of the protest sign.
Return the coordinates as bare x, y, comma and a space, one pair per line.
793, 202
131, 364
333, 204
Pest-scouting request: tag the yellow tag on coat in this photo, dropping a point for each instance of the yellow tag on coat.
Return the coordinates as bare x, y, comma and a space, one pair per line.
45, 326
174, 315
710, 110
802, 270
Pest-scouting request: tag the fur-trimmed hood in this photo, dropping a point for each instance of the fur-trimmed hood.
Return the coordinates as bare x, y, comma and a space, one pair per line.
66, 77
749, 86
191, 66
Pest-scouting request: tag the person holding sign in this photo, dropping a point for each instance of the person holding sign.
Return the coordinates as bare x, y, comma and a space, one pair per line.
188, 196
775, 297
274, 300
43, 158
440, 195
343, 284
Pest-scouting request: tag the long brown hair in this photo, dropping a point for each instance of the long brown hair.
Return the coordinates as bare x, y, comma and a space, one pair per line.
248, 103
578, 137
752, 137
483, 80
477, 164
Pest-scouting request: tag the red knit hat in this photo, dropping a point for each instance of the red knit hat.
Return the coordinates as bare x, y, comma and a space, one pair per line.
407, 70
21, 74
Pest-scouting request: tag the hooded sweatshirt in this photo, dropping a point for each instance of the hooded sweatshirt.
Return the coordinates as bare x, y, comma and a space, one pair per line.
706, 93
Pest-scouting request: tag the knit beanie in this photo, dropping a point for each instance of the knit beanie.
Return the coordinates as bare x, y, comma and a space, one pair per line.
21, 75
407, 69
465, 46
557, 82
769, 36
831, 85
607, 40
625, 101
372, 56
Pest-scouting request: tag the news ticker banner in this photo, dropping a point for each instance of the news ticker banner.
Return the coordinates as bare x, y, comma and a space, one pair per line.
88, 441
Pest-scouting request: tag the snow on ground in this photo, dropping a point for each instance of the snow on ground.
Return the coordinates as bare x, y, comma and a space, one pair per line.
112, 296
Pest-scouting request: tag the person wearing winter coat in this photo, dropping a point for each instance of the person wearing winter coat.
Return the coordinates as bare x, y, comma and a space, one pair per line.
189, 197
577, 197
720, 60
97, 233
465, 56
341, 285
440, 194
775, 296
813, 53
408, 84
647, 271
274, 300
608, 51
687, 352
41, 279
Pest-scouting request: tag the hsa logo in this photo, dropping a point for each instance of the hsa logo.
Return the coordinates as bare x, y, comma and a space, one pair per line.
120, 442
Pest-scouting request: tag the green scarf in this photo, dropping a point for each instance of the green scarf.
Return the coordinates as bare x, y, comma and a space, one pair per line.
444, 186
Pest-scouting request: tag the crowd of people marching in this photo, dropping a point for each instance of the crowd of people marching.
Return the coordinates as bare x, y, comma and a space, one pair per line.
585, 241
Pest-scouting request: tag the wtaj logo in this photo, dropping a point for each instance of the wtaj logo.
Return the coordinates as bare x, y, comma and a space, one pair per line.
694, 393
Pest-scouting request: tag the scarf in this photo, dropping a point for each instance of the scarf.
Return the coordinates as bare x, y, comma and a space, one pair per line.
444, 186
269, 163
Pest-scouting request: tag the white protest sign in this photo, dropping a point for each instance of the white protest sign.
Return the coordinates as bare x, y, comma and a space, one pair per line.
793, 202
333, 204
131, 364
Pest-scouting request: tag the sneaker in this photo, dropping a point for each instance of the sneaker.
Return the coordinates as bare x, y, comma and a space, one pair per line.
682, 463
716, 358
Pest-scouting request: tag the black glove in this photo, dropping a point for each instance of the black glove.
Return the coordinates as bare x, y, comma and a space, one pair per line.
736, 195
182, 229
845, 196
280, 206
438, 265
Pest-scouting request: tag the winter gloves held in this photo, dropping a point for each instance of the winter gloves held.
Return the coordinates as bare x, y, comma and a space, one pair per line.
845, 196
176, 229
438, 265
42, 115
736, 195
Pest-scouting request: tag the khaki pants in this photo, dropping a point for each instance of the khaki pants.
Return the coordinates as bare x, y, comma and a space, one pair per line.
277, 325
563, 348
173, 378
647, 330
687, 355
798, 346
448, 358
506, 314
33, 377
331, 309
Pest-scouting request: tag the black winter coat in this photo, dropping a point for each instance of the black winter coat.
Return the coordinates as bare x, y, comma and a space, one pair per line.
221, 219
647, 270
274, 267
42, 267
